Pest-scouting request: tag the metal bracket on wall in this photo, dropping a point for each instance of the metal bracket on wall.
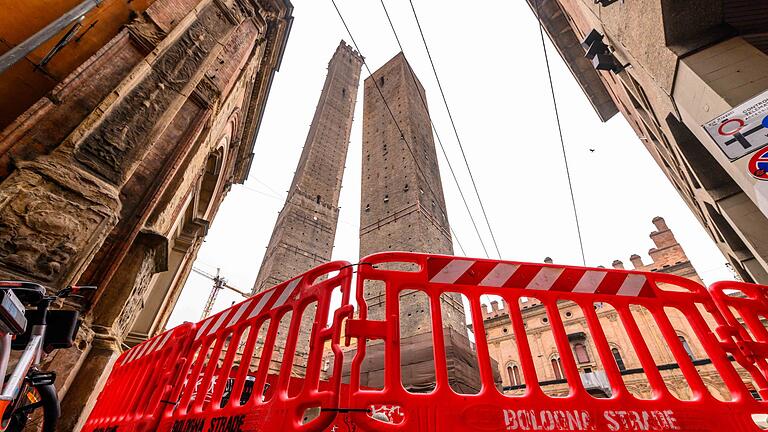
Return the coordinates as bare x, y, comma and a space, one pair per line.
33, 42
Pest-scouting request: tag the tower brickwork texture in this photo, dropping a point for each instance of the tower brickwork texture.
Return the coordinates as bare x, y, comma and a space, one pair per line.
403, 209
305, 229
402, 202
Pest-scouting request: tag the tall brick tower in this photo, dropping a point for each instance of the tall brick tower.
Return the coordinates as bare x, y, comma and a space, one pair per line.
403, 208
305, 229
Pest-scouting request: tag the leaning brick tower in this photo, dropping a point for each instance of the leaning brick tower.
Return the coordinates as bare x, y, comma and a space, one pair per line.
305, 229
306, 226
403, 209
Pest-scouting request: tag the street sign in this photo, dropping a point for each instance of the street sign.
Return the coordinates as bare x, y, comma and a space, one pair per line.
758, 165
743, 129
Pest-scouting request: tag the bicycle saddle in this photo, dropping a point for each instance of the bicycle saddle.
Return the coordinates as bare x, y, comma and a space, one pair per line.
29, 293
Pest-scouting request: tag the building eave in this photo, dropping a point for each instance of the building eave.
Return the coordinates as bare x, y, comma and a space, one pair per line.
569, 47
258, 102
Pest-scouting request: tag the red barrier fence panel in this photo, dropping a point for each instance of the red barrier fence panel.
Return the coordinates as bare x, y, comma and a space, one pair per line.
745, 310
261, 364
141, 383
655, 329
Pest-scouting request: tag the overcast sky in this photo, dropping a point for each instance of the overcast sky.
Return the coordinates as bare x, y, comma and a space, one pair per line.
492, 70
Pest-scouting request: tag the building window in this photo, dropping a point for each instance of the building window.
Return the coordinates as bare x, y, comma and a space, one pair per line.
557, 367
686, 347
619, 360
381, 82
317, 200
581, 353
343, 92
513, 373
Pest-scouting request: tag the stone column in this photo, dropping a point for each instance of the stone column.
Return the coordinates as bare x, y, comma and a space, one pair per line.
113, 315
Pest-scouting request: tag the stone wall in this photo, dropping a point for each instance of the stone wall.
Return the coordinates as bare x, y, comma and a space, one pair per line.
114, 177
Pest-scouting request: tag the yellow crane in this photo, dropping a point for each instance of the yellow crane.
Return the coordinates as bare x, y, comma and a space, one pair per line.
219, 283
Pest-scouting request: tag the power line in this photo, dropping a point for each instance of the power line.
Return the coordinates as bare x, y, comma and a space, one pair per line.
560, 131
455, 131
402, 135
434, 128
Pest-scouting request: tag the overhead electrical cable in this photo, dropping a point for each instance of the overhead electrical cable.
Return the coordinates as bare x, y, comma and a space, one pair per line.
560, 131
397, 125
455, 130
439, 141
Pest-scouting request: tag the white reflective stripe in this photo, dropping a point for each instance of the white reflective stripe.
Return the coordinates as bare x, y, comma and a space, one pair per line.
500, 274
260, 305
150, 346
545, 278
219, 321
131, 352
452, 272
202, 328
142, 349
589, 281
632, 285
287, 292
165, 339
136, 350
240, 312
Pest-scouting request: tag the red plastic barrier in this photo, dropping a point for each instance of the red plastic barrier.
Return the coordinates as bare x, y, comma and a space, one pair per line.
235, 371
744, 307
444, 410
233, 380
143, 379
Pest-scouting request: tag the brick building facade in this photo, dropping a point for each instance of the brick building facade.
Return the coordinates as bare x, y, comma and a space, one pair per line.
667, 257
670, 67
114, 172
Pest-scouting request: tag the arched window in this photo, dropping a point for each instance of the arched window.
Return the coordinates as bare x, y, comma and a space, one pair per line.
686, 347
557, 367
619, 360
513, 373
581, 353
343, 92
381, 82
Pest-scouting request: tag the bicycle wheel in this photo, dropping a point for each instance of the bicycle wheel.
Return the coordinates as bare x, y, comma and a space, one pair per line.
30, 399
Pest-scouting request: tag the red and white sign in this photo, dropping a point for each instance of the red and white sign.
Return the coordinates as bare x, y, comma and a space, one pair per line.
743, 129
758, 165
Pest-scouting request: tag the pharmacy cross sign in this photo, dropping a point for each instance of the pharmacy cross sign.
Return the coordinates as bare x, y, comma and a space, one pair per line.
742, 130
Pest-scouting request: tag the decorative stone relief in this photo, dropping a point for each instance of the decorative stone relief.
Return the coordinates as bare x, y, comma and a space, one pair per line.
116, 145
49, 216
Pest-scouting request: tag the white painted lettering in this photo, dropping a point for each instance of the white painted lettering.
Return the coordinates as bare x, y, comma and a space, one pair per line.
671, 420
612, 423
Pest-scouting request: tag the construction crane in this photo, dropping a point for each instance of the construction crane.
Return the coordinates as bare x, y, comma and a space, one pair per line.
219, 283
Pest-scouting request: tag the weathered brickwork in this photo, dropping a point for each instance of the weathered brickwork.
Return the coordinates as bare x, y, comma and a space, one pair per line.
403, 209
402, 203
667, 257
305, 229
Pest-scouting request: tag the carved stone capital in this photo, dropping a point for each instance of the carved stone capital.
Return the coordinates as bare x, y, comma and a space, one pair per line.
159, 245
